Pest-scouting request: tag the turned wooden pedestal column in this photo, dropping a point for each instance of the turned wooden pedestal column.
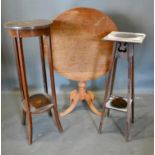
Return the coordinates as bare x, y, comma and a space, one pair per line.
81, 95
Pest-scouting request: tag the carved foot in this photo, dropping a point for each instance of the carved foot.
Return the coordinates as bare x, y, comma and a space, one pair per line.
90, 101
74, 97
80, 95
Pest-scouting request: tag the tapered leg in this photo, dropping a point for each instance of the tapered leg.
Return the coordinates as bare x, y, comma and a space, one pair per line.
24, 84
42, 55
129, 110
112, 79
18, 67
113, 76
43, 64
51, 68
132, 120
104, 103
57, 119
24, 118
29, 127
127, 128
107, 87
19, 77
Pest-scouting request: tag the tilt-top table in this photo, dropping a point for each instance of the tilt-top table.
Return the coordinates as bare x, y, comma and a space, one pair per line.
79, 54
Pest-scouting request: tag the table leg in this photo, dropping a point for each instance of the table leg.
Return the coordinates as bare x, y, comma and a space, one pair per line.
104, 102
132, 84
25, 88
108, 82
113, 76
52, 82
43, 64
129, 110
18, 67
112, 79
19, 78
42, 55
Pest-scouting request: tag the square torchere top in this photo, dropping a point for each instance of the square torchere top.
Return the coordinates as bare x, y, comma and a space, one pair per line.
129, 37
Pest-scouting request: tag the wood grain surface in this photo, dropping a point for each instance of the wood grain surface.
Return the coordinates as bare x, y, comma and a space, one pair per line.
78, 51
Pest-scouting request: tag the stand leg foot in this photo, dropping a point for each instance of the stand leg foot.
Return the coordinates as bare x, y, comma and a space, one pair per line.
127, 131
50, 113
24, 118
29, 128
57, 119
101, 123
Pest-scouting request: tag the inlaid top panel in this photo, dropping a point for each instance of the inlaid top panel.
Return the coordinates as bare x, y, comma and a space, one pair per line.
28, 25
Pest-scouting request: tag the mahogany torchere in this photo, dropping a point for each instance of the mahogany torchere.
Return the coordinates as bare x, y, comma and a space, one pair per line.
37, 103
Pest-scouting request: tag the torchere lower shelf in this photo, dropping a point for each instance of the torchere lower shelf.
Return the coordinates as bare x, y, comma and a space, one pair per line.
39, 103
110, 106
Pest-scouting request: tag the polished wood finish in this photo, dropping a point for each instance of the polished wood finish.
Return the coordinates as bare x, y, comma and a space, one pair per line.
52, 82
37, 103
43, 64
25, 87
42, 55
18, 66
78, 52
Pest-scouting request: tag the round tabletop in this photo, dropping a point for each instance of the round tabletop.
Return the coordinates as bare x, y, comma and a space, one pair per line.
28, 25
79, 52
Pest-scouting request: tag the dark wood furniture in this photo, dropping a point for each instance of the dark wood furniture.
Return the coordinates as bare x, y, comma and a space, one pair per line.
37, 103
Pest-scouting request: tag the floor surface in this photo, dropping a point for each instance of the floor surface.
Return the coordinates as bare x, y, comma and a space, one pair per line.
80, 136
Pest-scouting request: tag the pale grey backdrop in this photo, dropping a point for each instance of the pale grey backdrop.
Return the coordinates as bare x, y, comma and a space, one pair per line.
129, 15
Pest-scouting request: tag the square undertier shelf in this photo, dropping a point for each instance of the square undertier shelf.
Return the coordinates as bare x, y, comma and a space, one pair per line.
129, 37
39, 103
110, 106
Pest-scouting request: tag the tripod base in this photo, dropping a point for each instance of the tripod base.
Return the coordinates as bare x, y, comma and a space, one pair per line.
81, 95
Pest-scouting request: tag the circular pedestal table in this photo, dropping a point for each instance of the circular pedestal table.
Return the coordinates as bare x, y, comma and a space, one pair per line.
79, 53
